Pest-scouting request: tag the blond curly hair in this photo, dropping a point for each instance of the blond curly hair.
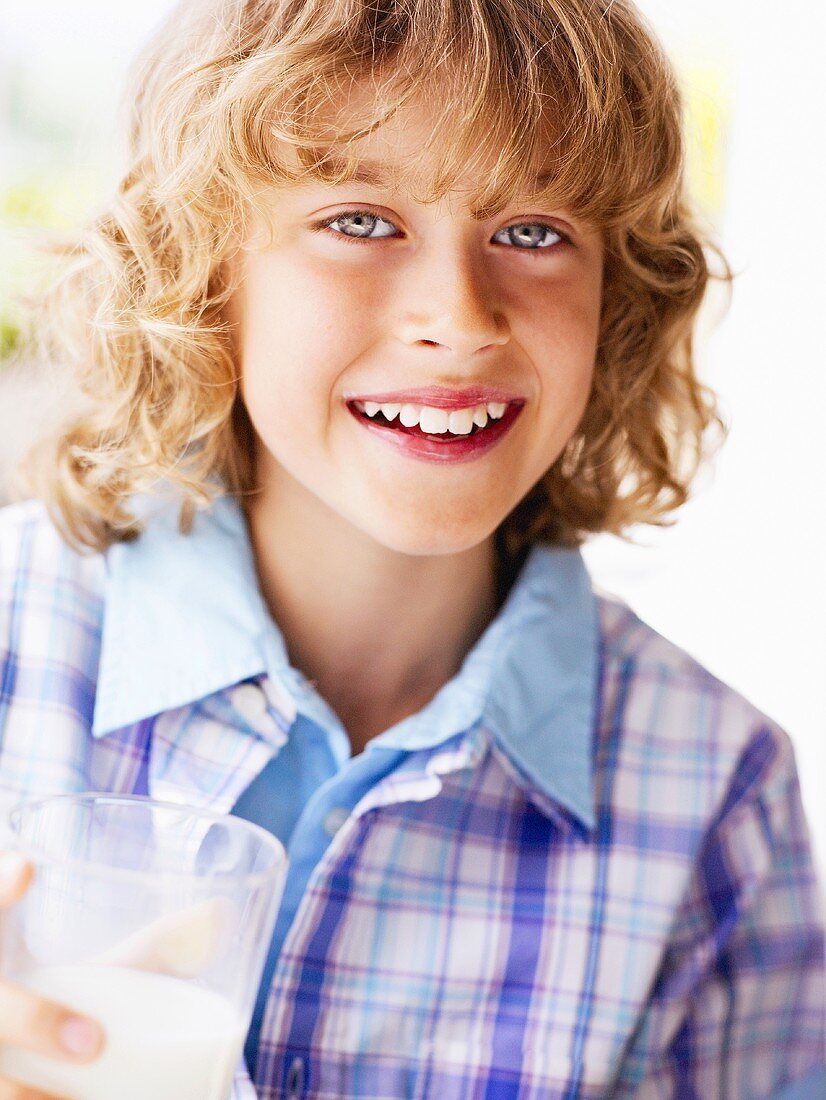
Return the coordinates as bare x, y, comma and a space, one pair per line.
224, 102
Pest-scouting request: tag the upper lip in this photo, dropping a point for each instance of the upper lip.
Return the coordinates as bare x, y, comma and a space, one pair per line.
441, 397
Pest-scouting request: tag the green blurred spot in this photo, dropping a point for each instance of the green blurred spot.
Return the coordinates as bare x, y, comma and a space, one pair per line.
55, 197
26, 204
9, 337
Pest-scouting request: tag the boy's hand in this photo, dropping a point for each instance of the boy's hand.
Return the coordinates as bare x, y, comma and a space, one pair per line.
182, 943
27, 1020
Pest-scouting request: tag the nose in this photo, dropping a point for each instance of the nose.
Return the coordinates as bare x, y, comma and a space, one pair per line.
450, 303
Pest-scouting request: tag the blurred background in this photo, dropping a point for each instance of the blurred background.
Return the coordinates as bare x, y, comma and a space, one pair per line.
739, 580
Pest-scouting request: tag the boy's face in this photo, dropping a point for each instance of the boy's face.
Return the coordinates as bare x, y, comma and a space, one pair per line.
407, 297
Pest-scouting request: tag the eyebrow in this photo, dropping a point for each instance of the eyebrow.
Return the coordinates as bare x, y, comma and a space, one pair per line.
376, 174
370, 172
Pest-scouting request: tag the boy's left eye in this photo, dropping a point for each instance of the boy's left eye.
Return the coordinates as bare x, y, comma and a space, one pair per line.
526, 236
529, 235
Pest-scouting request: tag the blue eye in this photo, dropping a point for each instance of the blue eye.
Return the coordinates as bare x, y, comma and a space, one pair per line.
362, 221
531, 235
358, 225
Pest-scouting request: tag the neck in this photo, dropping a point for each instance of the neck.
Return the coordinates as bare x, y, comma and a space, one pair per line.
377, 631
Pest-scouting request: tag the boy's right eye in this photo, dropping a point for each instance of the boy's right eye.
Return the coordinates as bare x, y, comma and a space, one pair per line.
361, 221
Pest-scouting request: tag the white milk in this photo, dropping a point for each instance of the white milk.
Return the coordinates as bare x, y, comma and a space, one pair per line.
166, 1039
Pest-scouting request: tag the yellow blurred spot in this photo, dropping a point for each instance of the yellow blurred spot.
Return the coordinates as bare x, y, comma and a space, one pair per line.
706, 86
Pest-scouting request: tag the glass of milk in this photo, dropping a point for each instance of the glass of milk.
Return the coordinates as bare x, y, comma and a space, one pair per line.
153, 918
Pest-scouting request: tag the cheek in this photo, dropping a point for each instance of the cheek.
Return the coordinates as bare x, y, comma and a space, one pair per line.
565, 354
568, 350
300, 331
322, 301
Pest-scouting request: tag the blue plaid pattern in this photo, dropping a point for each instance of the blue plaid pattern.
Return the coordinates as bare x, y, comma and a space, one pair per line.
467, 934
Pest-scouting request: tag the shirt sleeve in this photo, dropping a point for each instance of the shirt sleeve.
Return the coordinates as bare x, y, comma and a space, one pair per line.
738, 1008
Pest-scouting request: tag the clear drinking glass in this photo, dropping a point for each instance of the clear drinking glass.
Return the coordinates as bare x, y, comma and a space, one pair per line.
153, 918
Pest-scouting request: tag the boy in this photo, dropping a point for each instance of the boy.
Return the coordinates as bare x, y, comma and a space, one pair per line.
398, 301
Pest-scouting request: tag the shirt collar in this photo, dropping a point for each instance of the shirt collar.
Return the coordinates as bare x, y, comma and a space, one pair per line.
183, 615
544, 656
185, 618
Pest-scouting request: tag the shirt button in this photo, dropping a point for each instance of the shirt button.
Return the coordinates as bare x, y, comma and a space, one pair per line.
250, 701
335, 819
295, 1079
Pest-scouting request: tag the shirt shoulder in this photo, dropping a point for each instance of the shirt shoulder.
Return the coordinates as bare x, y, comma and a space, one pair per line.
51, 608
672, 727
700, 803
35, 559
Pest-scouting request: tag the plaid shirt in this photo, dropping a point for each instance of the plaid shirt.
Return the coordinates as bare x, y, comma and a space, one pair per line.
596, 881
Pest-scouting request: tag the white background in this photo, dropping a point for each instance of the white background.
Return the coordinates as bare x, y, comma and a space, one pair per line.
739, 582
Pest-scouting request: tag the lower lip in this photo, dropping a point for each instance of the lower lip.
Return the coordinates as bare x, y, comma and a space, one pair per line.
435, 448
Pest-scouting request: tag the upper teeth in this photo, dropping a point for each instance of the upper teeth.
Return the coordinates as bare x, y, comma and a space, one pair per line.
436, 421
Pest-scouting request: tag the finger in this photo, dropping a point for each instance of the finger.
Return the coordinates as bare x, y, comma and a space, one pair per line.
13, 1090
46, 1027
16, 874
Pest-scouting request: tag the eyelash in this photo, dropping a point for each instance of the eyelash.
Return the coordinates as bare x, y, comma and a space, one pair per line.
325, 226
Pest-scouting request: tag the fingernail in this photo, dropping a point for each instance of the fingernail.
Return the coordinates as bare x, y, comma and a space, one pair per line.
79, 1036
12, 865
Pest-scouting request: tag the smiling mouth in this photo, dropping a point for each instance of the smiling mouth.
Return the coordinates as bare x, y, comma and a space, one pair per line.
438, 424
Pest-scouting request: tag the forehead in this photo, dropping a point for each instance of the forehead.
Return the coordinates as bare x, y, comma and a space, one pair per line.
415, 145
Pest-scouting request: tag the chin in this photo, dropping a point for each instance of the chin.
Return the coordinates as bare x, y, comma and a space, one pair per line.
428, 537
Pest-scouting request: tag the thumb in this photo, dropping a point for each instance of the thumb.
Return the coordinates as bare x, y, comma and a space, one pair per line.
16, 874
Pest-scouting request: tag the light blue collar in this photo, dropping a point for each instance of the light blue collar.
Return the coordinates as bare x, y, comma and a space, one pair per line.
185, 618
